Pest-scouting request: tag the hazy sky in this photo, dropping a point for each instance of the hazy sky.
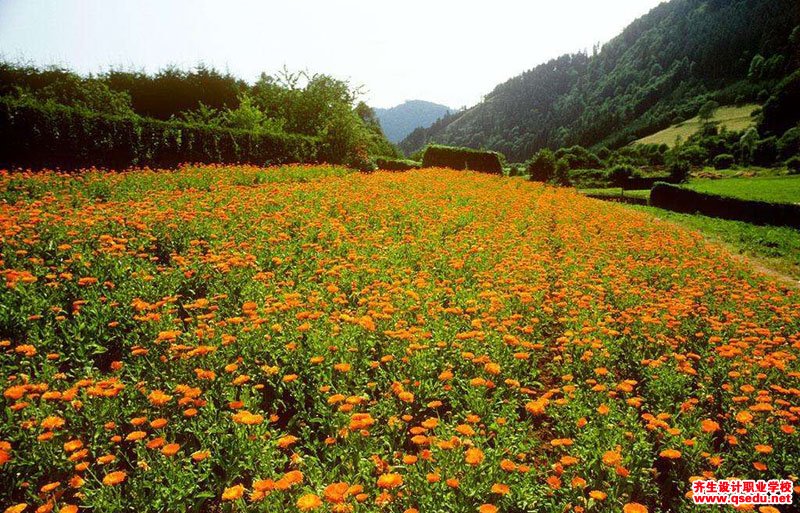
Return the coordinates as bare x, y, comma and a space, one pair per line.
451, 52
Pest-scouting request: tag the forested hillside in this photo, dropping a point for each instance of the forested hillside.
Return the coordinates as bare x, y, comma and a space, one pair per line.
660, 70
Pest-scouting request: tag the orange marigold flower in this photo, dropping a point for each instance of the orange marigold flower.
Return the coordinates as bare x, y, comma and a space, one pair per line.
744, 417
286, 441
53, 422
233, 493
170, 449
487, 508
133, 436
390, 481
671, 454
473, 456
537, 407
201, 455
115, 478
336, 492
612, 458
763, 449
500, 489
309, 502
597, 495
634, 507
158, 398
709, 426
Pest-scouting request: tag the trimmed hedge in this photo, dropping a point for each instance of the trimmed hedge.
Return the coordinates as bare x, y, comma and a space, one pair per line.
385, 164
462, 158
679, 199
44, 135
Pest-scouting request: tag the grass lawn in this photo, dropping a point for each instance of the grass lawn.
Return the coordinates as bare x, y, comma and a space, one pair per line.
617, 191
733, 118
778, 189
778, 248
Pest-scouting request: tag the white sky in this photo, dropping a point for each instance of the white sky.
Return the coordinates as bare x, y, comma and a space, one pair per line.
450, 52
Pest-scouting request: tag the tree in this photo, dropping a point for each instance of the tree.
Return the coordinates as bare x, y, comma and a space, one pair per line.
707, 110
747, 145
541, 167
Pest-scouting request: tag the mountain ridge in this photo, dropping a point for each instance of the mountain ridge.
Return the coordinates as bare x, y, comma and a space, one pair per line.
399, 121
661, 68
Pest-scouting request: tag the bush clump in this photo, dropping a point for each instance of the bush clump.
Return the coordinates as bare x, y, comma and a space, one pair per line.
723, 161
386, 164
48, 135
462, 158
793, 165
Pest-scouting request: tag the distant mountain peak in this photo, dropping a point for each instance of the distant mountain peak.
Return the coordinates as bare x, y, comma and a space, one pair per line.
399, 121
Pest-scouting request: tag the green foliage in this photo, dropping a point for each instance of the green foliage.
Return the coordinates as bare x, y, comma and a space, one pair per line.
723, 161
620, 174
542, 166
679, 170
561, 173
578, 157
317, 105
55, 136
780, 112
706, 112
793, 165
462, 158
387, 164
789, 143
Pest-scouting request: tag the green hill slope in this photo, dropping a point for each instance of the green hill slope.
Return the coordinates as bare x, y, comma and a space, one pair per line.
731, 117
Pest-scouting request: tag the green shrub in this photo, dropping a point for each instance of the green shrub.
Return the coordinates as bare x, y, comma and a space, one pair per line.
561, 175
723, 161
462, 158
793, 164
542, 166
386, 164
620, 174
679, 171
46, 135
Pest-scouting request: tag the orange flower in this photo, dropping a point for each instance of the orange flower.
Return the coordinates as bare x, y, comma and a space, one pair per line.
336, 492
52, 422
473, 456
389, 481
158, 398
170, 449
487, 508
744, 417
286, 441
500, 489
612, 458
247, 418
709, 426
308, 502
537, 407
115, 478
201, 455
597, 495
671, 454
634, 507
233, 493
763, 449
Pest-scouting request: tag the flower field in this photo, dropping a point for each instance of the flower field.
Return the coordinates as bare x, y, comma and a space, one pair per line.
305, 338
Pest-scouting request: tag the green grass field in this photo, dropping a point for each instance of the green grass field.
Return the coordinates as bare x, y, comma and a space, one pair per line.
777, 189
733, 118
